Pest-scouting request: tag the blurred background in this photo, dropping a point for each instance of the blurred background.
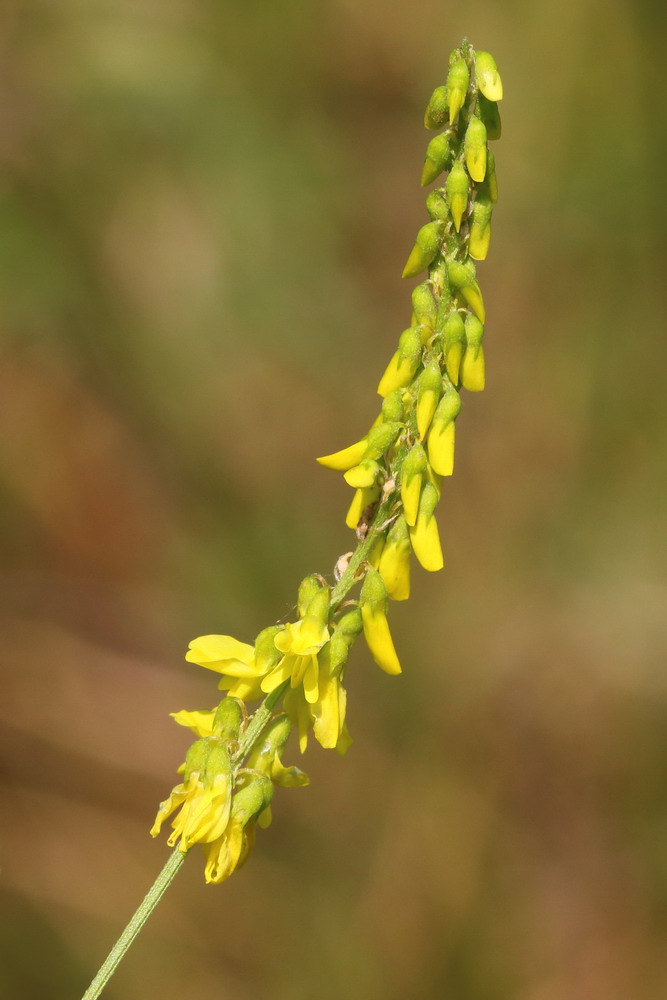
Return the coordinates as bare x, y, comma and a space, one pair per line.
205, 208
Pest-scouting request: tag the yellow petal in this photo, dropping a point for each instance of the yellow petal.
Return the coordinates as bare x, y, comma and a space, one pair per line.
378, 637
441, 448
472, 370
346, 458
200, 723
426, 543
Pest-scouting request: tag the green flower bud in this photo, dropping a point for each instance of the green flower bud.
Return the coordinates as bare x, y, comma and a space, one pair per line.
488, 77
318, 606
250, 801
424, 250
362, 475
266, 654
438, 158
490, 115
457, 190
381, 438
435, 115
393, 409
472, 369
424, 305
454, 344
275, 736
344, 634
412, 476
309, 586
474, 146
429, 390
217, 763
404, 364
462, 277
195, 758
480, 226
436, 206
458, 79
227, 719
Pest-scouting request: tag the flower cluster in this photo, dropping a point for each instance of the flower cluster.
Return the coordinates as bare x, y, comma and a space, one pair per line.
396, 470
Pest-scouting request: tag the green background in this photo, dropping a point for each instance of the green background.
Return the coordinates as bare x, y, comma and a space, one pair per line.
205, 208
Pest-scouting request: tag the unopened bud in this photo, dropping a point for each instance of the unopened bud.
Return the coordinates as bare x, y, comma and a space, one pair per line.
381, 438
436, 206
227, 719
454, 344
472, 369
309, 586
424, 305
458, 79
394, 567
362, 475
457, 190
412, 475
462, 277
373, 604
426, 247
438, 158
403, 365
424, 535
435, 115
475, 148
428, 394
488, 77
480, 226
441, 435
361, 501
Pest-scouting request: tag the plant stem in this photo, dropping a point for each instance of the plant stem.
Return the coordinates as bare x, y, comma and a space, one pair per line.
143, 912
252, 732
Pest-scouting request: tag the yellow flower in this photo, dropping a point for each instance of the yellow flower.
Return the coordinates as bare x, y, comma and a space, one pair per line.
373, 604
231, 848
204, 797
299, 643
233, 659
326, 715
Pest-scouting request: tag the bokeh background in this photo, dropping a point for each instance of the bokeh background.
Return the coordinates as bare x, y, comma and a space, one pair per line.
205, 207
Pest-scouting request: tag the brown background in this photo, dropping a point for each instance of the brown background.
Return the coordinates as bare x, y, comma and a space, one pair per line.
204, 211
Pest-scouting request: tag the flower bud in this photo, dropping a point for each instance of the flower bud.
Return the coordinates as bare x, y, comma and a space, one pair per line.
428, 394
361, 501
435, 115
424, 250
472, 369
344, 634
266, 654
309, 586
218, 769
403, 365
394, 567
195, 758
480, 227
474, 146
251, 800
490, 115
462, 277
458, 79
457, 189
227, 719
424, 305
436, 206
381, 438
362, 475
412, 475
424, 535
373, 604
393, 409
346, 458
488, 77
454, 344
438, 158
441, 434
318, 606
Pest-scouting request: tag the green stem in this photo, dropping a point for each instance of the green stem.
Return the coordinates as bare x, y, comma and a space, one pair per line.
143, 912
